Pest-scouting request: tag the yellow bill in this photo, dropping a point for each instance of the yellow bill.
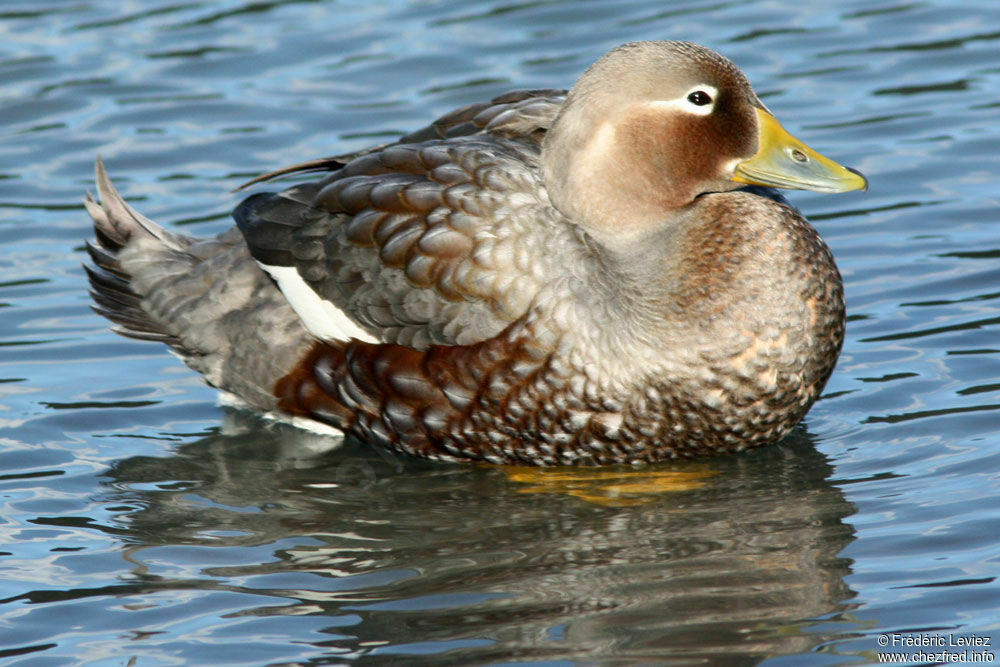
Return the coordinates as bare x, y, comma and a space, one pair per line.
782, 161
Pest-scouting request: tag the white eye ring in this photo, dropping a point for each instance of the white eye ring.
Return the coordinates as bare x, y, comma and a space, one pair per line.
691, 101
700, 99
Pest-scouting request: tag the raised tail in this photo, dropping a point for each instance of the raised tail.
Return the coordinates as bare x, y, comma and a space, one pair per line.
115, 225
205, 298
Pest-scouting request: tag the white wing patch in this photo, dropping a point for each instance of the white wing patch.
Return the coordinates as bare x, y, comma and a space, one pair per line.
323, 319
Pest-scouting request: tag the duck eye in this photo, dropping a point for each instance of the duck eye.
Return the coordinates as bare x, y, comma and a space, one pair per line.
699, 98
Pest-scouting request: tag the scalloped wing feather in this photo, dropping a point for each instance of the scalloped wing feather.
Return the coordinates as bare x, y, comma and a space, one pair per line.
426, 242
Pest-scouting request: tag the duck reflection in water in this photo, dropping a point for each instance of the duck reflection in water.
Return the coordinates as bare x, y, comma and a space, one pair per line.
731, 564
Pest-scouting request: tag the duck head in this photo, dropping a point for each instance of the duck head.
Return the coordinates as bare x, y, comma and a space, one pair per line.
652, 125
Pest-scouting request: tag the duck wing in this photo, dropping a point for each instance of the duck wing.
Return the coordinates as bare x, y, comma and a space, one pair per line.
519, 113
434, 239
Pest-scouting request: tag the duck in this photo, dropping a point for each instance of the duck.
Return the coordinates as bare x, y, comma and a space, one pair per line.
604, 275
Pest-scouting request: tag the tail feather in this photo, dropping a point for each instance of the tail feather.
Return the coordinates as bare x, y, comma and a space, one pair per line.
103, 257
114, 299
115, 225
205, 298
115, 222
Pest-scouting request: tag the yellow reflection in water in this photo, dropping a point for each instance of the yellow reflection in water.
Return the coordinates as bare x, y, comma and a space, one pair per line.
610, 488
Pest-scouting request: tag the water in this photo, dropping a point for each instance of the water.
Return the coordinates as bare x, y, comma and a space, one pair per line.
139, 520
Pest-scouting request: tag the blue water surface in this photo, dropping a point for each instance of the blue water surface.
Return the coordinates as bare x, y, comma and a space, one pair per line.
141, 523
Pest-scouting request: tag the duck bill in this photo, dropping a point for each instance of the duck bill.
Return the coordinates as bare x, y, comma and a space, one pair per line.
785, 162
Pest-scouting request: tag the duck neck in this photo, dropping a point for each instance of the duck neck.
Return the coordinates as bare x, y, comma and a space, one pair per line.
639, 272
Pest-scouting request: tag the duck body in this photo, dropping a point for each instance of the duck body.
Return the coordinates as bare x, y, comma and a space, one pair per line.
523, 281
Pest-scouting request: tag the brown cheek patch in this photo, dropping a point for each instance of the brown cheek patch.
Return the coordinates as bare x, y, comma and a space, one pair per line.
735, 131
654, 154
671, 152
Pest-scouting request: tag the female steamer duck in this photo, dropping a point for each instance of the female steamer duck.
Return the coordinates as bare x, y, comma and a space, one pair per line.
549, 278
